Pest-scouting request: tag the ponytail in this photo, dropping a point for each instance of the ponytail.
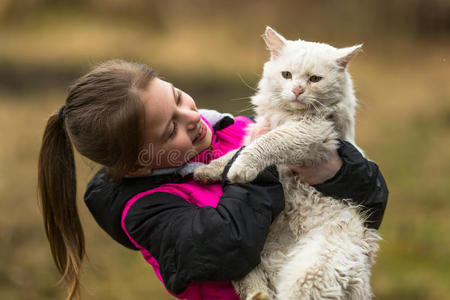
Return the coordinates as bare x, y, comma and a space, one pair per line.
57, 190
103, 119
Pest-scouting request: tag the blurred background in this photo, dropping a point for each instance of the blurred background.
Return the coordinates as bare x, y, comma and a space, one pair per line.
213, 50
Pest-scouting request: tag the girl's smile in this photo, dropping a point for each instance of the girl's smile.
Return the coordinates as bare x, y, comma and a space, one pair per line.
201, 134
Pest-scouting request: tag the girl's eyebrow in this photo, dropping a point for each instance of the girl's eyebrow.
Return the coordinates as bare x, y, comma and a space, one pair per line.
174, 93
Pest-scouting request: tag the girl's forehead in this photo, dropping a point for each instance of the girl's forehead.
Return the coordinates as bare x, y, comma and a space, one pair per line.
157, 91
157, 99
157, 87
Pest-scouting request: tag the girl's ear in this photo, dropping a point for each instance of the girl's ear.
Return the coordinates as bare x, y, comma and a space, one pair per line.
274, 41
346, 54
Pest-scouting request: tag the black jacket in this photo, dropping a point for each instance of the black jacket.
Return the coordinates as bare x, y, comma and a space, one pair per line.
194, 243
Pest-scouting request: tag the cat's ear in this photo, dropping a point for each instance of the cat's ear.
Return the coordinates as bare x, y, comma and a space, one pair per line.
274, 41
346, 55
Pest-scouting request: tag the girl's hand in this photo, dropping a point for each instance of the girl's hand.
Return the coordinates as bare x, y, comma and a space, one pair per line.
319, 173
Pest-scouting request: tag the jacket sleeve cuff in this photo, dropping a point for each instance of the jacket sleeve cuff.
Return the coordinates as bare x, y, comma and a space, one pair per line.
351, 158
359, 180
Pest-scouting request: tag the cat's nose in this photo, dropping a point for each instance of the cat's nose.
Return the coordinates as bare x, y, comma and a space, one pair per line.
298, 90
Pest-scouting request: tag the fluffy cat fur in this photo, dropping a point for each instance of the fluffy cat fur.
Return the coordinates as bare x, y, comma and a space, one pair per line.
318, 247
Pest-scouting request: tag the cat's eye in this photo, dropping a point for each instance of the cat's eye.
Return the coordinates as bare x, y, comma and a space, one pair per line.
286, 74
315, 78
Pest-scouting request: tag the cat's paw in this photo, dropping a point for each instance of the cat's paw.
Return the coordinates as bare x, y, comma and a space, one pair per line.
208, 173
240, 172
258, 296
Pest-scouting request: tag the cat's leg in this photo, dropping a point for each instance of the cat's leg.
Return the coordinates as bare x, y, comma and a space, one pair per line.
254, 286
305, 142
359, 287
305, 274
330, 262
213, 171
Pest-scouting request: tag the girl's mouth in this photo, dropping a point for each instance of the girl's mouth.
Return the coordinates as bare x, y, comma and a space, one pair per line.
201, 134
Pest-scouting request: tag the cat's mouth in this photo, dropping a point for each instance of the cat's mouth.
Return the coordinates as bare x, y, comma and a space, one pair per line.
298, 104
299, 98
298, 101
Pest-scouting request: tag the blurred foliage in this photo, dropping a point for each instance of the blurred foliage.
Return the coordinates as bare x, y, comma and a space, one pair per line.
213, 50
415, 17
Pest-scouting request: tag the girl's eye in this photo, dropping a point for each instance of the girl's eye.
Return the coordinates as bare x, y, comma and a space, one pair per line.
174, 130
286, 74
315, 78
178, 97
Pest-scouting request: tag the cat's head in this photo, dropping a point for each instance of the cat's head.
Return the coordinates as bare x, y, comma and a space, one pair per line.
303, 74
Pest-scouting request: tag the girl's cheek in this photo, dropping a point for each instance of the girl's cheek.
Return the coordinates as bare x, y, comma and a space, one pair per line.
183, 143
192, 103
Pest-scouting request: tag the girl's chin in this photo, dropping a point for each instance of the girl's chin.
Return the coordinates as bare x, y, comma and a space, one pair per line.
207, 140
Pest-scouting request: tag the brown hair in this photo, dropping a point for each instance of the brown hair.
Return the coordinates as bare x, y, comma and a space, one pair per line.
104, 120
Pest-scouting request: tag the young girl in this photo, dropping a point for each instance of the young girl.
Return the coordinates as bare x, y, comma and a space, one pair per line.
149, 136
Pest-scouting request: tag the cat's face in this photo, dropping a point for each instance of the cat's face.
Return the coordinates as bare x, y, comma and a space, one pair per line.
305, 75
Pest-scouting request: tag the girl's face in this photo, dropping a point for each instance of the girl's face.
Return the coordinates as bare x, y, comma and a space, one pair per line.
174, 130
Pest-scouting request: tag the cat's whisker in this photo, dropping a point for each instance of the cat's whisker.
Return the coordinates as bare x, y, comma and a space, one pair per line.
246, 84
249, 107
245, 109
243, 98
312, 104
317, 101
324, 109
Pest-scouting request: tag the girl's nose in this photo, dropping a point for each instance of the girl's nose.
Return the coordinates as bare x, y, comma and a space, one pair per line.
192, 118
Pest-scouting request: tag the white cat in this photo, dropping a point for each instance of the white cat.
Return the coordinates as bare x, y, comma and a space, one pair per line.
318, 247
